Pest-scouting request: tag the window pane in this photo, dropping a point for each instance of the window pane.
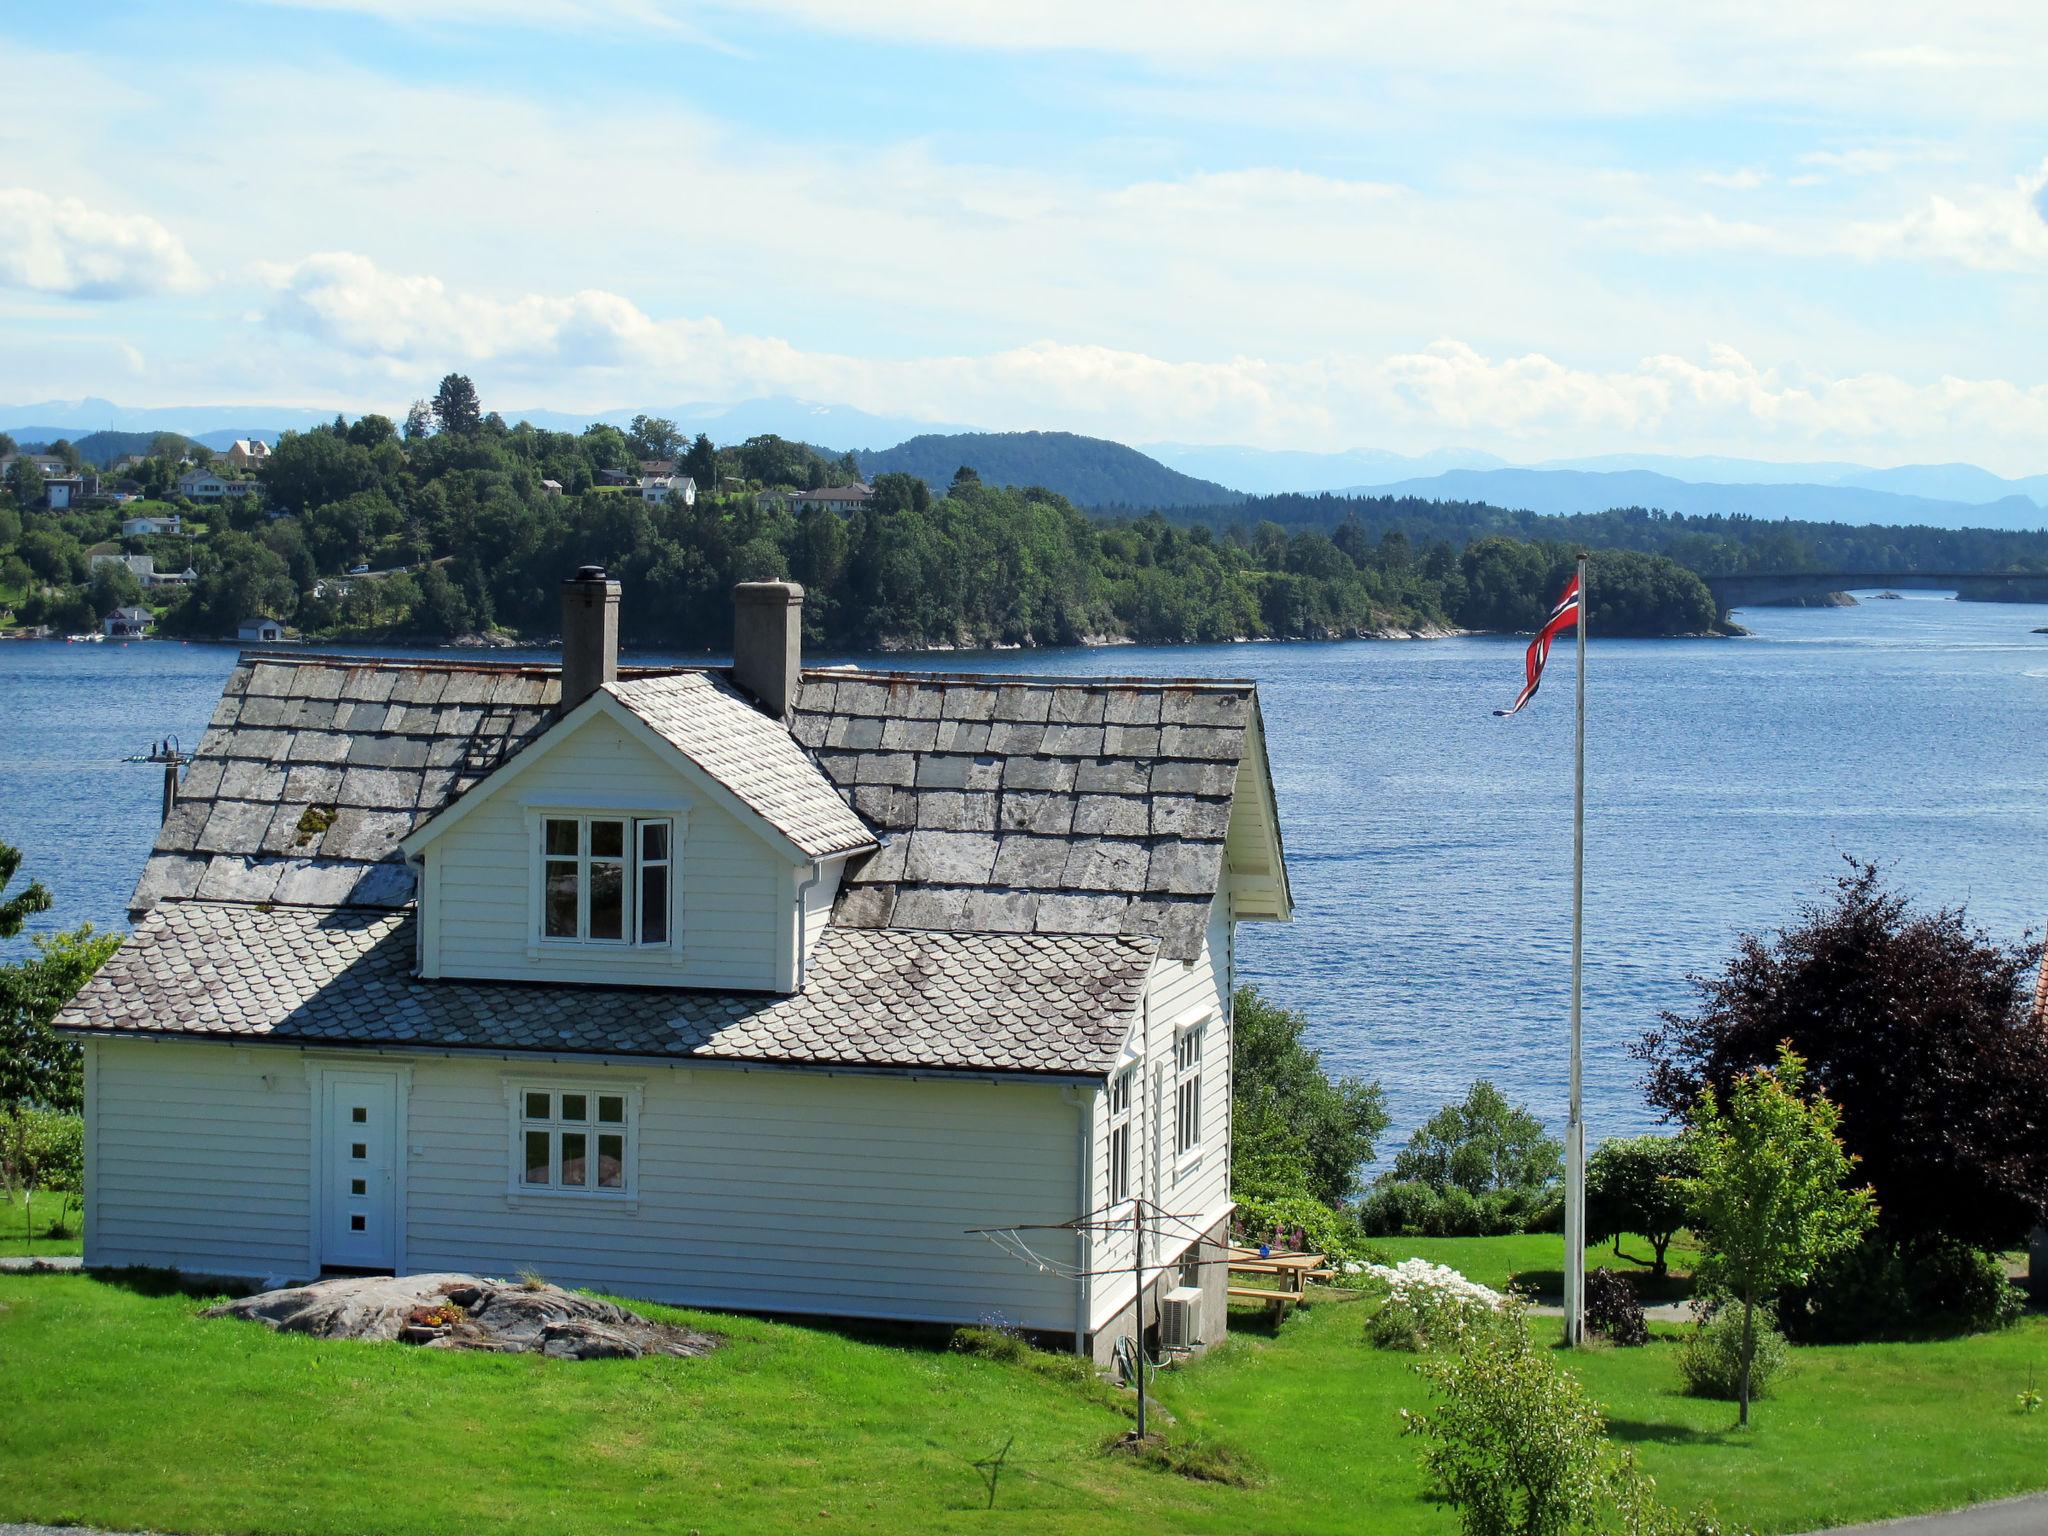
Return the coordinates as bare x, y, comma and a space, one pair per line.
611, 1109
653, 839
561, 836
560, 916
654, 904
611, 1162
536, 1106
536, 1157
575, 1106
607, 900
573, 1143
607, 839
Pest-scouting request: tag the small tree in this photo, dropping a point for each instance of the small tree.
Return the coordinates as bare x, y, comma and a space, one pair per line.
1768, 1202
1294, 1129
1481, 1145
25, 482
1517, 1448
1637, 1184
37, 1065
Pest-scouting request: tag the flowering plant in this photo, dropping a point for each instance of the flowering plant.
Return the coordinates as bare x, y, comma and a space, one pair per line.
1428, 1306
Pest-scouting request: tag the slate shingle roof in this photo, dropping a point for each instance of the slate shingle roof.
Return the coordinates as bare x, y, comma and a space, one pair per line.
959, 1002
1032, 804
717, 728
378, 743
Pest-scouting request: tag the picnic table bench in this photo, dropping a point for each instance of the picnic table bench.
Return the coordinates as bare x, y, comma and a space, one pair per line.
1293, 1271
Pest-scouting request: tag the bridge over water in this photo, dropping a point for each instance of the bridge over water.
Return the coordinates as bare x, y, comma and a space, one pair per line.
1754, 587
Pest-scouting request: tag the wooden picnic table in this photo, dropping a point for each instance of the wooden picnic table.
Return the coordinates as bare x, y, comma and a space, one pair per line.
1292, 1270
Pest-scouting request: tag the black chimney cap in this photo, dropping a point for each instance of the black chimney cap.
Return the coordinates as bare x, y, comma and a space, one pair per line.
589, 573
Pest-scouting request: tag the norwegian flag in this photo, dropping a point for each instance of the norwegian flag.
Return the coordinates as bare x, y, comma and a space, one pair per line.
1563, 617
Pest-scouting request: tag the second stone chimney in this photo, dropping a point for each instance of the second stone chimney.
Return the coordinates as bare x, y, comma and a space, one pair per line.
590, 634
767, 642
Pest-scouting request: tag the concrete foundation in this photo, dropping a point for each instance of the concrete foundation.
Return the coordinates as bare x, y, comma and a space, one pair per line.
1202, 1269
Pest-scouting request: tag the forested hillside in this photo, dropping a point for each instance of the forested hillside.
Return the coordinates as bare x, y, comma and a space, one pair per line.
1710, 545
457, 523
1088, 471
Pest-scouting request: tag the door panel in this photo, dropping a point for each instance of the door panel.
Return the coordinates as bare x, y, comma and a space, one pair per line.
360, 1220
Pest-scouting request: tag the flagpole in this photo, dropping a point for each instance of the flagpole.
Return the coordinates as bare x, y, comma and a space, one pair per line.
1575, 1126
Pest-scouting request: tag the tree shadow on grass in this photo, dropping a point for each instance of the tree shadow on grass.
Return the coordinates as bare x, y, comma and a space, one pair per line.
1650, 1291
1645, 1431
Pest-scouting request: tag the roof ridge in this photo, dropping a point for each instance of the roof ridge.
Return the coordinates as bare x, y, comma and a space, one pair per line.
299, 658
1028, 679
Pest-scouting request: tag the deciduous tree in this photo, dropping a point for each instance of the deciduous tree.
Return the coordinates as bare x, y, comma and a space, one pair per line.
1920, 1027
1770, 1201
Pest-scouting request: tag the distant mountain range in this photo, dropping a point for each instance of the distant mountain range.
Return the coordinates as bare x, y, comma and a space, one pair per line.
1095, 472
1088, 471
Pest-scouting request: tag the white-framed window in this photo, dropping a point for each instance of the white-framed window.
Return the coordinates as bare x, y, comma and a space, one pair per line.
1122, 1091
574, 1139
606, 879
1187, 1091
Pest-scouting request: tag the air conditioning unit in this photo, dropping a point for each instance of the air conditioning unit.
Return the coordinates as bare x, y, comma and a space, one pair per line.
1180, 1318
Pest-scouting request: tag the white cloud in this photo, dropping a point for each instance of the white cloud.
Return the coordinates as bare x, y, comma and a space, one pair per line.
61, 246
1746, 179
1447, 391
1991, 229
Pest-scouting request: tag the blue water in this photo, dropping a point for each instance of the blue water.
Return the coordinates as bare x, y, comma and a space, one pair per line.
1429, 843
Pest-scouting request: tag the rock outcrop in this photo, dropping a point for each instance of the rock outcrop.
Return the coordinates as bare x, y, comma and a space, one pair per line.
463, 1312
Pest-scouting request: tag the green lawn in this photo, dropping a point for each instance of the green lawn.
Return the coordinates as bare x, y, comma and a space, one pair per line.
128, 1411
1534, 1261
26, 1231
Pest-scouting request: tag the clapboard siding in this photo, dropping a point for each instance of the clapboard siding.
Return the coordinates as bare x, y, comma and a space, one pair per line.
201, 1158
769, 1191
731, 887
1177, 992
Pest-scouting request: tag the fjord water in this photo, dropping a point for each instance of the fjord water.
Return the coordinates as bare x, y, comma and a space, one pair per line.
1429, 842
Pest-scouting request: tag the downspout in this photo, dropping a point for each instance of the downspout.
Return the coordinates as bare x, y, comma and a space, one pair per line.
1084, 1188
803, 952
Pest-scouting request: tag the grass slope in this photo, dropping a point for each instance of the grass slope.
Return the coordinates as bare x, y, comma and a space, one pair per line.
128, 1411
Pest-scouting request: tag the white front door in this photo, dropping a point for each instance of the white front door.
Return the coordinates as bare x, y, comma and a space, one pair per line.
359, 1224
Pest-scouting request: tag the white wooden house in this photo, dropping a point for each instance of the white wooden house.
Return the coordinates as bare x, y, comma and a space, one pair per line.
752, 988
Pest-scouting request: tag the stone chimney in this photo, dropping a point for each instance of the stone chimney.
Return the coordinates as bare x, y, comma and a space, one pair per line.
767, 642
590, 634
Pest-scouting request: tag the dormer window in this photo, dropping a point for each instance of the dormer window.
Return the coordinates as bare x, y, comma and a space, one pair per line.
606, 879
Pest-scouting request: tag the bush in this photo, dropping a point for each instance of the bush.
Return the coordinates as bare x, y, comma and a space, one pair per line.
1299, 1218
1613, 1310
1901, 1290
1428, 1306
1710, 1360
1410, 1208
1516, 1446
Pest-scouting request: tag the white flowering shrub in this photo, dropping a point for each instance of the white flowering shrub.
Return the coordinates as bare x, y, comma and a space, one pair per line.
1428, 1306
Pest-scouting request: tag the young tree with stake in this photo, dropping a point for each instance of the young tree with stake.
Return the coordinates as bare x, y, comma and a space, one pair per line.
1768, 1201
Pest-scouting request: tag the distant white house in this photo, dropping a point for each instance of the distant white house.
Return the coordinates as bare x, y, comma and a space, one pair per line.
63, 491
127, 623
143, 527
143, 566
249, 453
552, 487
205, 485
656, 489
263, 630
841, 498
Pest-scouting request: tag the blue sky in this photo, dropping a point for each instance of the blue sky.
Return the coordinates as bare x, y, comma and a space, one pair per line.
1794, 232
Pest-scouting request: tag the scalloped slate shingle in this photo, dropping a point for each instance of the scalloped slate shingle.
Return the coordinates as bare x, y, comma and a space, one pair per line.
1032, 804
1008, 1002
720, 730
